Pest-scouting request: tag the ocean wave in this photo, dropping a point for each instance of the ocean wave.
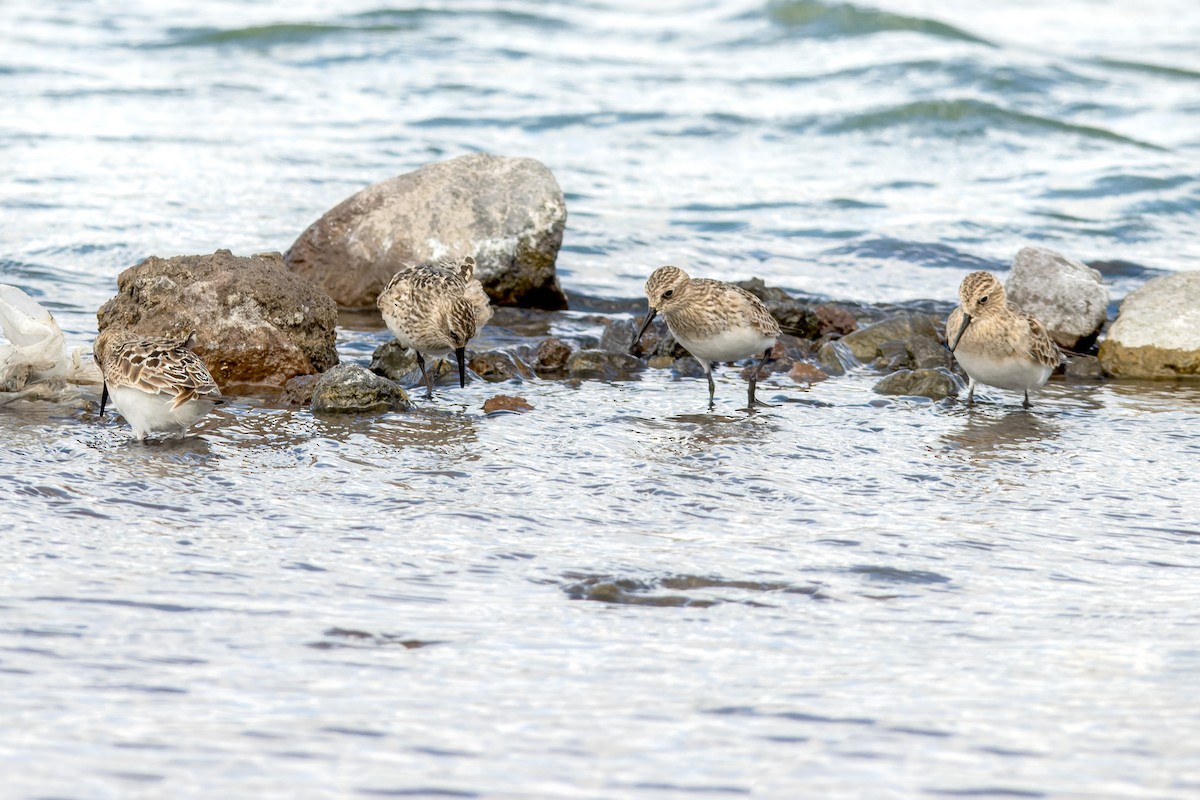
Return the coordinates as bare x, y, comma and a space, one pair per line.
970, 117
809, 18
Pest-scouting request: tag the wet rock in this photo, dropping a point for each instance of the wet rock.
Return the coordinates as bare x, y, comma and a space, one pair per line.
393, 361
768, 294
504, 402
601, 365
836, 358
509, 213
1083, 367
351, 389
835, 320
1157, 332
619, 334
803, 372
552, 355
1064, 294
935, 384
687, 367
257, 324
905, 341
800, 318
660, 362
496, 366
299, 390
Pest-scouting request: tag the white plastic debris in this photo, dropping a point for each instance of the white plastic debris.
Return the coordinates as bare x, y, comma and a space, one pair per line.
35, 362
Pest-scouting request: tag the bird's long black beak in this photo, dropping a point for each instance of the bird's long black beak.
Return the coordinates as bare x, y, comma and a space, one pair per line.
461, 355
103, 397
649, 318
961, 328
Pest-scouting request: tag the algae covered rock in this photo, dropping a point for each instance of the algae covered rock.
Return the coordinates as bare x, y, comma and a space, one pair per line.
1157, 332
257, 324
1065, 295
602, 365
936, 384
351, 389
908, 340
509, 213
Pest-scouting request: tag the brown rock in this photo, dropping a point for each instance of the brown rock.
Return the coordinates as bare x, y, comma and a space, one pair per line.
505, 402
835, 319
803, 372
509, 213
299, 390
552, 355
257, 324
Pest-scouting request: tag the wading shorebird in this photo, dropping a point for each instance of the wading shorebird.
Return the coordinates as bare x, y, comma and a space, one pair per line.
157, 383
434, 309
997, 343
713, 320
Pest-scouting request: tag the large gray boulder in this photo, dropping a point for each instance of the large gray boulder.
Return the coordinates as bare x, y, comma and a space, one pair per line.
257, 324
1157, 332
1067, 296
509, 213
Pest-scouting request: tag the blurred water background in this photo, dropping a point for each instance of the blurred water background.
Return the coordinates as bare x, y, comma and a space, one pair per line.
616, 595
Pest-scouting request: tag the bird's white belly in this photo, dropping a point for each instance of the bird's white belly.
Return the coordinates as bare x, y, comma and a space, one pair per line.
1014, 374
727, 345
153, 413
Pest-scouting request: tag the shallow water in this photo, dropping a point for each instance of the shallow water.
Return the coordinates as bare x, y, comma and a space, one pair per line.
617, 594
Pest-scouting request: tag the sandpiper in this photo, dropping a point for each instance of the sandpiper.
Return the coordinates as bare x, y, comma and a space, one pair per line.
714, 321
157, 383
997, 343
434, 309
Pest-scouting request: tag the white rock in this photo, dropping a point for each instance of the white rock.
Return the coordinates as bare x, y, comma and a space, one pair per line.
1157, 333
1066, 295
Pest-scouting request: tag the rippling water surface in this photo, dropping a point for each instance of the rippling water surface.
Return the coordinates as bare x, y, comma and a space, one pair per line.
617, 594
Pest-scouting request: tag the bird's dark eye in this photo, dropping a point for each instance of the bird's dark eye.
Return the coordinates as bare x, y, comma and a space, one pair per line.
983, 300
667, 294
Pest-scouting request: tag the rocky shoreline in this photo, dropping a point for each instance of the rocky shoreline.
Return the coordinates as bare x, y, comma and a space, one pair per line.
267, 324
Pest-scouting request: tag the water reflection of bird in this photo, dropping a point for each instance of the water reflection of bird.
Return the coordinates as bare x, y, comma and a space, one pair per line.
984, 435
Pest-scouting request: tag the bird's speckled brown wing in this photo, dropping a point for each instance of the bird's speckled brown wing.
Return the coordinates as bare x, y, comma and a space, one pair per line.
759, 316
160, 366
1042, 348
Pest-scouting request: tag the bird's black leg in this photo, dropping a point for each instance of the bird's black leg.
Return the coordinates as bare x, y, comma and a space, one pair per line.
712, 387
1027, 404
752, 402
425, 375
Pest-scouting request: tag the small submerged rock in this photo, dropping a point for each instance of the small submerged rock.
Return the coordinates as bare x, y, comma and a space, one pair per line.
803, 372
497, 366
351, 389
1065, 295
1157, 332
505, 402
914, 334
1083, 368
552, 355
393, 361
602, 365
299, 390
936, 384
